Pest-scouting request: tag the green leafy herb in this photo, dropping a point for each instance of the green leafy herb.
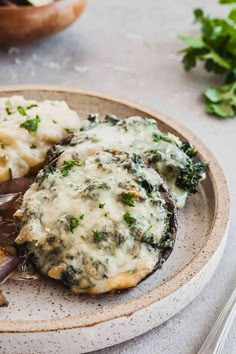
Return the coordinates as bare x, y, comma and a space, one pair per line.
74, 222
54, 121
33, 146
221, 101
157, 137
147, 230
128, 198
188, 149
21, 110
32, 106
1, 144
69, 130
216, 48
69, 164
10, 173
189, 176
130, 220
111, 119
101, 206
81, 217
31, 124
97, 236
93, 120
8, 107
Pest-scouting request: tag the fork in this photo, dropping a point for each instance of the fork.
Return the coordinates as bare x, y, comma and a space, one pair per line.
215, 340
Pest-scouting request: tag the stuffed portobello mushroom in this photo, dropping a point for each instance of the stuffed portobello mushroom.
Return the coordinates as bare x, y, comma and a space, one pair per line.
166, 153
97, 220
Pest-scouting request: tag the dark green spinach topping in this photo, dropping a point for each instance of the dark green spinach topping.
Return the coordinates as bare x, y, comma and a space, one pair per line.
189, 176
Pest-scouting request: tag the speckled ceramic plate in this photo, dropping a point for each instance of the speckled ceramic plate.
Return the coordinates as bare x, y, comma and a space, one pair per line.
43, 317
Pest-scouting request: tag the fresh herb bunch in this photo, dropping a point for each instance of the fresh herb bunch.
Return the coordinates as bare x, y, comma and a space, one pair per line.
216, 47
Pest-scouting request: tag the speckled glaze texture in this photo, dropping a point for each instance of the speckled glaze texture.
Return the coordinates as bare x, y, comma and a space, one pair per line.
62, 322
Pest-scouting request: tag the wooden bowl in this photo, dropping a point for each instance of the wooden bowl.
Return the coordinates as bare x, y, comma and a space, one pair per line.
26, 23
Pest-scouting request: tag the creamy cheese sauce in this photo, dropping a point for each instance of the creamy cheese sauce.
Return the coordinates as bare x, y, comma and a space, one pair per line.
28, 129
135, 135
96, 221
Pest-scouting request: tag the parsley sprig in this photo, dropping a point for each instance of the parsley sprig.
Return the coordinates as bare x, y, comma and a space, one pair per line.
69, 164
97, 235
31, 124
216, 48
129, 219
74, 223
128, 199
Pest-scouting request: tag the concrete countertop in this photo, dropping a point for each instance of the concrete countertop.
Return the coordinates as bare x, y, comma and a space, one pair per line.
129, 49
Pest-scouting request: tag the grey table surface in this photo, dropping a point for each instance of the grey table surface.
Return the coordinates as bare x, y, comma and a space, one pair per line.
129, 49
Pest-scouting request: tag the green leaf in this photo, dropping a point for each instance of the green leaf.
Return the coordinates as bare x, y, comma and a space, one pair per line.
97, 236
217, 59
31, 124
222, 109
198, 14
32, 106
128, 199
68, 130
101, 205
69, 164
129, 219
21, 110
213, 94
221, 101
74, 223
194, 42
227, 1
232, 15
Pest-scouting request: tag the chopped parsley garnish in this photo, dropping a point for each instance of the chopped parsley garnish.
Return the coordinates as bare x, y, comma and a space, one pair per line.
81, 217
54, 121
2, 144
69, 164
101, 206
31, 124
10, 173
33, 146
32, 106
147, 230
70, 130
21, 110
74, 222
8, 107
8, 111
97, 236
128, 198
158, 137
130, 220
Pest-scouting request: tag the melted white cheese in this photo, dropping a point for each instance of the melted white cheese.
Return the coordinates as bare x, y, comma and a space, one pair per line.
136, 136
103, 251
21, 149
